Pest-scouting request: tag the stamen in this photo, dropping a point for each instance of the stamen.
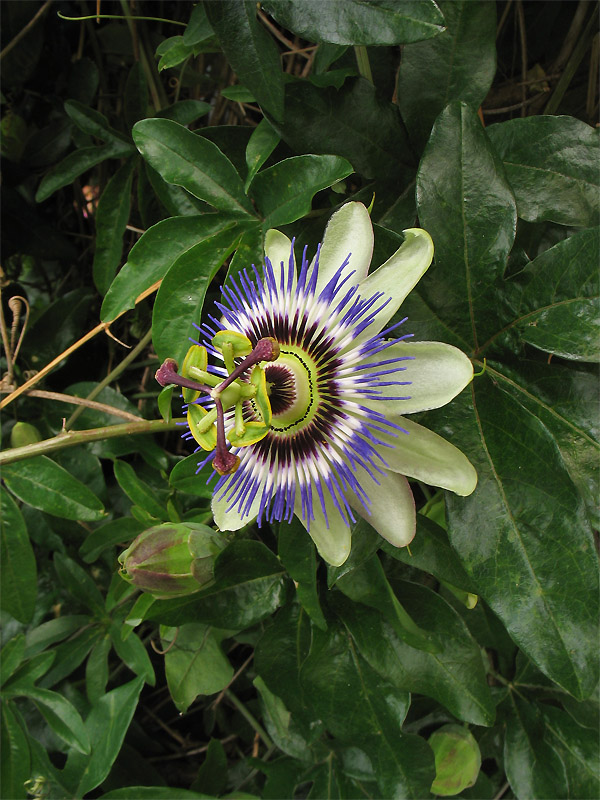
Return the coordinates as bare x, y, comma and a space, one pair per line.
266, 349
224, 462
167, 374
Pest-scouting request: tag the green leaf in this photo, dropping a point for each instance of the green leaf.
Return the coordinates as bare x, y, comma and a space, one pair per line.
554, 300
173, 51
11, 656
454, 676
48, 633
552, 166
41, 483
110, 715
132, 652
368, 584
94, 123
533, 767
563, 398
78, 162
18, 572
467, 207
361, 708
263, 141
578, 749
250, 250
249, 586
212, 775
430, 551
62, 716
70, 654
297, 552
533, 558
238, 93
136, 95
96, 670
77, 581
191, 161
138, 491
354, 122
15, 762
185, 111
152, 256
194, 663
198, 28
280, 724
356, 22
251, 52
181, 296
154, 793
284, 192
29, 672
185, 477
278, 658
119, 531
459, 64
112, 215
176, 200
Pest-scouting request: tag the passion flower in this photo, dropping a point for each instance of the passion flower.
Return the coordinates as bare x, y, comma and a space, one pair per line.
304, 412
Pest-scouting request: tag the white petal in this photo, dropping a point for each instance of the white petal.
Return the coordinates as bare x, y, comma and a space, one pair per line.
424, 455
333, 542
392, 506
399, 274
232, 520
437, 374
348, 231
277, 249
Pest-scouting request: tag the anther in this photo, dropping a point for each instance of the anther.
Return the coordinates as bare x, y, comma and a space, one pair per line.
224, 462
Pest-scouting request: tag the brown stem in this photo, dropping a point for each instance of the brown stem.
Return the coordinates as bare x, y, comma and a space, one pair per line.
84, 403
24, 31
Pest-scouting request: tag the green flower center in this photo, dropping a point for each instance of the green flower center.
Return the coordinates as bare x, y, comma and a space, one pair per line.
292, 388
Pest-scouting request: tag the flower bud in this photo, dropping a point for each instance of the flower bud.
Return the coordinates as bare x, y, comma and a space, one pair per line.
172, 559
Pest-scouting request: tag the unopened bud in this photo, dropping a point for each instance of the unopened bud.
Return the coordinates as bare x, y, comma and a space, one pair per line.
172, 559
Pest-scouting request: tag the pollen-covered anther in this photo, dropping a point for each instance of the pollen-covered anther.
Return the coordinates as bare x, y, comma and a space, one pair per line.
225, 462
166, 372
